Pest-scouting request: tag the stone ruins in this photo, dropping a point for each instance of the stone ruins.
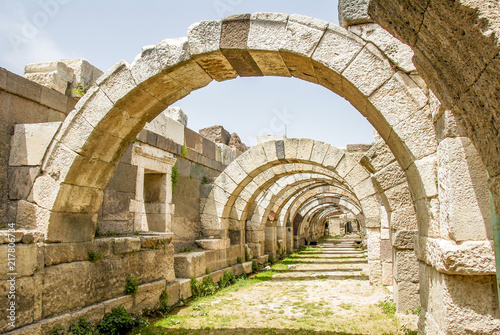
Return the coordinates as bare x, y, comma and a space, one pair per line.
119, 174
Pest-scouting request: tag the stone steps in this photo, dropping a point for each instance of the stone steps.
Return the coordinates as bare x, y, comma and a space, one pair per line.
337, 275
331, 259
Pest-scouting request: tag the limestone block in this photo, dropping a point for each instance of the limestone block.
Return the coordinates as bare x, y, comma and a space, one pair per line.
399, 197
54, 75
404, 219
216, 276
373, 243
247, 267
406, 296
303, 34
390, 176
30, 142
177, 114
398, 52
428, 211
56, 253
50, 80
375, 272
28, 259
268, 32
204, 41
184, 288
213, 244
319, 151
385, 250
304, 149
126, 301
173, 291
333, 158
85, 73
146, 64
116, 205
66, 287
148, 295
384, 233
238, 269
29, 214
422, 175
380, 155
447, 126
55, 101
353, 12
27, 304
364, 189
21, 181
418, 134
387, 274
404, 239
462, 191
173, 51
337, 48
405, 266
125, 245
357, 175
369, 70
68, 227
117, 81
465, 298
466, 258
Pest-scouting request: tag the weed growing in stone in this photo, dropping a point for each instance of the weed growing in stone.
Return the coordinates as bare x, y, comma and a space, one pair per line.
255, 266
164, 308
174, 177
94, 256
184, 151
131, 285
118, 321
238, 260
247, 254
187, 249
227, 279
204, 288
82, 327
271, 259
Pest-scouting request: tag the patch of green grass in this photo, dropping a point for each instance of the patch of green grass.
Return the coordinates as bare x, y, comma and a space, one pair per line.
346, 306
388, 306
186, 249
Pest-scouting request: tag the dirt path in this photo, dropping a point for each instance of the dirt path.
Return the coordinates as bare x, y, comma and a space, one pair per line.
322, 290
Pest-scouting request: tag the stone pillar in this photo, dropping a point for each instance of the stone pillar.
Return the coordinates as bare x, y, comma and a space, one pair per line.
289, 239
271, 240
457, 264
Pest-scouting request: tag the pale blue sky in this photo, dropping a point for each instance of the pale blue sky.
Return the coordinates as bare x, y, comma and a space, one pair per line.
104, 32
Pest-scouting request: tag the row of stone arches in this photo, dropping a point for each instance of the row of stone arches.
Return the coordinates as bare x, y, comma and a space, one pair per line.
77, 165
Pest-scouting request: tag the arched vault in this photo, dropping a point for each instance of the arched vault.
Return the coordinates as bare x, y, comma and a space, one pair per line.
87, 148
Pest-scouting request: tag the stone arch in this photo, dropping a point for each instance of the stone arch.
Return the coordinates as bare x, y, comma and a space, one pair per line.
77, 165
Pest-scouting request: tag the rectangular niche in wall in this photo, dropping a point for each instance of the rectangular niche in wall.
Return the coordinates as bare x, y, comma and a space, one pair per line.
154, 200
152, 205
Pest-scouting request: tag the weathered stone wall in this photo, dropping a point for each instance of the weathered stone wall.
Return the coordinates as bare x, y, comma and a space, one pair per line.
58, 283
198, 161
22, 101
55, 278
